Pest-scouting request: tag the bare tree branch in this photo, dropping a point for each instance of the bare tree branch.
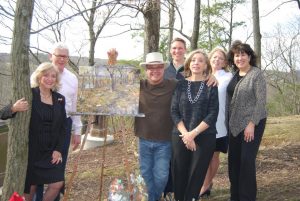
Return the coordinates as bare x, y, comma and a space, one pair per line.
277, 7
71, 16
6, 12
118, 34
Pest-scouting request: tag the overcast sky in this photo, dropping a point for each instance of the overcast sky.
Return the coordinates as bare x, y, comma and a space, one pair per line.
129, 48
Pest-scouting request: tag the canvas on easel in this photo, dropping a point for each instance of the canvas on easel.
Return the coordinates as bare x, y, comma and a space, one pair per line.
108, 90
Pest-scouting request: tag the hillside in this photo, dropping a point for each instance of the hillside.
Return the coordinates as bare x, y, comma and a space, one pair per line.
277, 165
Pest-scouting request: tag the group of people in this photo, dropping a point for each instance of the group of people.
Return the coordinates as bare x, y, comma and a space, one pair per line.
195, 108
54, 95
189, 120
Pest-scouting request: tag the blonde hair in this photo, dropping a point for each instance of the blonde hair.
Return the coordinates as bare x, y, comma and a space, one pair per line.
226, 67
40, 71
188, 60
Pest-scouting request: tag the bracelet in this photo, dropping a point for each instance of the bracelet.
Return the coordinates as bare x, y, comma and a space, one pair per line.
197, 130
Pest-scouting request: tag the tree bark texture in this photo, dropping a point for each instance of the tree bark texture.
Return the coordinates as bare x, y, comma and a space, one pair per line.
92, 50
93, 39
18, 127
230, 24
172, 4
195, 33
256, 31
151, 13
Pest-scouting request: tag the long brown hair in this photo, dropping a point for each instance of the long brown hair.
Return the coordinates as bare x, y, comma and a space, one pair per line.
188, 60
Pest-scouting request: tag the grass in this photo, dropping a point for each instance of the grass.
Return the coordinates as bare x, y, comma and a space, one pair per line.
278, 165
281, 130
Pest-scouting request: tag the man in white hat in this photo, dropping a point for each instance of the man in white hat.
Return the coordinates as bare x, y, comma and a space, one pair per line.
154, 130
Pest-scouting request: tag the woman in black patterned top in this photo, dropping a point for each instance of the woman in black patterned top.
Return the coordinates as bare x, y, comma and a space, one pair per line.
194, 110
46, 134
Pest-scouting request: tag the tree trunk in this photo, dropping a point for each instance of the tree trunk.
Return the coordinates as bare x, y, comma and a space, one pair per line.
195, 34
92, 51
18, 128
93, 39
152, 26
256, 31
209, 28
231, 24
171, 25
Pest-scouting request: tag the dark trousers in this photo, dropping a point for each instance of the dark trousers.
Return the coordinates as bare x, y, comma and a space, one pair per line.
241, 164
189, 167
65, 151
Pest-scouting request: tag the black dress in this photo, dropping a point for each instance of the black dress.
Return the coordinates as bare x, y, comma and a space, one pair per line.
43, 140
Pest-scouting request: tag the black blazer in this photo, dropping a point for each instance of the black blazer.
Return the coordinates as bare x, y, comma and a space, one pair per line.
6, 113
58, 124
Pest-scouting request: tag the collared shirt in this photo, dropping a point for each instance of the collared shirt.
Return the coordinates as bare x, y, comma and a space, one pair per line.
172, 73
69, 88
223, 78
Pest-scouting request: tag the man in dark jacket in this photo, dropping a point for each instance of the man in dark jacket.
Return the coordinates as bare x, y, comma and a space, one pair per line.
175, 68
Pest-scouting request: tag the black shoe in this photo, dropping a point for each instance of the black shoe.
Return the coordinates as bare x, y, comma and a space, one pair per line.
205, 194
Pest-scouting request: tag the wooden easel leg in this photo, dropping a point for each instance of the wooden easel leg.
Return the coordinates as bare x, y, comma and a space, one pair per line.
75, 166
102, 164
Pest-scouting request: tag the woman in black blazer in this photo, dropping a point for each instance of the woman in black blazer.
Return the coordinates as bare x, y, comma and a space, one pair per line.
46, 134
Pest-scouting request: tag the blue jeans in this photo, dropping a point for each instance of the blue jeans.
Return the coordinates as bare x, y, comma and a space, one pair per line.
40, 188
154, 159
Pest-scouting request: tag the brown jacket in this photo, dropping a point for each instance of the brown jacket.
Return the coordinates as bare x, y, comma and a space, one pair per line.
155, 103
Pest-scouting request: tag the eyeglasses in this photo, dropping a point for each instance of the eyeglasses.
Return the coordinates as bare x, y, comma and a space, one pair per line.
61, 56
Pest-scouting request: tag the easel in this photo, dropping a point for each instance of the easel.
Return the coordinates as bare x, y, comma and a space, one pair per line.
91, 117
112, 60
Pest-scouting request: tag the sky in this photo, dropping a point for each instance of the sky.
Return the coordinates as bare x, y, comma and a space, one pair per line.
132, 48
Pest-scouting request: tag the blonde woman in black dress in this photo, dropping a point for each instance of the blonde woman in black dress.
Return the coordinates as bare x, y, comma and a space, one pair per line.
46, 134
194, 111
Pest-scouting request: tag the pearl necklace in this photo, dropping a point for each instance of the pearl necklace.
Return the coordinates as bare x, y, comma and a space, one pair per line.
198, 93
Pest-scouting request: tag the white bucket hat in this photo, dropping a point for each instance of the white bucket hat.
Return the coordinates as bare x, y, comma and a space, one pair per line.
154, 58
